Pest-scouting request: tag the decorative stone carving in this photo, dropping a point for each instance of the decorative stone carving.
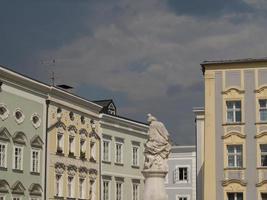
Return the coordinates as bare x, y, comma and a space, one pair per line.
59, 168
72, 130
61, 126
19, 116
20, 138
4, 134
36, 141
83, 172
83, 133
72, 169
4, 112
18, 188
92, 174
4, 186
36, 120
157, 148
35, 189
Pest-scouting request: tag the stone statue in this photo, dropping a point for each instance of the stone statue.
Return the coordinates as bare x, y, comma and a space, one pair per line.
157, 150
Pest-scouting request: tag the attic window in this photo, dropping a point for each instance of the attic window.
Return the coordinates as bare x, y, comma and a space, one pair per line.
19, 116
111, 109
3, 112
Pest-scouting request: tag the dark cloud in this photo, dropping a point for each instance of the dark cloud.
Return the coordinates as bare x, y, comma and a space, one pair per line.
209, 8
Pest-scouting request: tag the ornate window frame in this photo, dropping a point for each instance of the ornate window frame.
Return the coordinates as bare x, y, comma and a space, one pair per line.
22, 117
39, 121
5, 115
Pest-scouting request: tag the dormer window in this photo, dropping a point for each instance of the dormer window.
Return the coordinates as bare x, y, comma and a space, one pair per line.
111, 109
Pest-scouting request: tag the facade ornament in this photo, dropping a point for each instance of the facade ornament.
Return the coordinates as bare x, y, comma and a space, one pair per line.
4, 112
19, 116
157, 148
92, 174
83, 172
72, 130
59, 168
36, 120
83, 133
72, 169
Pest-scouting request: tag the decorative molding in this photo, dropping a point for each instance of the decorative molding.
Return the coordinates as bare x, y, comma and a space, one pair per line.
36, 120
72, 129
61, 125
59, 168
4, 134
234, 133
227, 182
4, 112
93, 134
238, 90
259, 135
18, 115
72, 169
20, 138
36, 141
83, 132
18, 188
83, 172
4, 186
260, 89
92, 174
261, 183
35, 189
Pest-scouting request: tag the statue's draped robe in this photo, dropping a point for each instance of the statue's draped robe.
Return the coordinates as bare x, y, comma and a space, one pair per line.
158, 142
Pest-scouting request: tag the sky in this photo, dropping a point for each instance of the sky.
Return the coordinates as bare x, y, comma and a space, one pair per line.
144, 54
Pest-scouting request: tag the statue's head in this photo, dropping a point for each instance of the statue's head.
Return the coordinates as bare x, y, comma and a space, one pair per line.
151, 118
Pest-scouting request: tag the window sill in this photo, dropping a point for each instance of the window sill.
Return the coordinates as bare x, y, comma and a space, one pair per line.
262, 167
235, 168
17, 170
119, 164
181, 182
3, 168
35, 173
58, 197
135, 166
106, 162
60, 153
260, 122
92, 160
233, 123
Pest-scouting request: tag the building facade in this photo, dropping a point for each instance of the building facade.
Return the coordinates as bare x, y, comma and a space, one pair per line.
235, 138
180, 182
122, 155
73, 163
22, 137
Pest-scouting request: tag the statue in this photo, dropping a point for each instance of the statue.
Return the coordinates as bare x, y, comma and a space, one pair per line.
157, 148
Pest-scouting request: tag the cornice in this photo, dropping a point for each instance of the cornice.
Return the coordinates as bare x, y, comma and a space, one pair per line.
227, 182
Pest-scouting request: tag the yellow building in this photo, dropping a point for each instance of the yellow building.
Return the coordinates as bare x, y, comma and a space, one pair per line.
73, 148
235, 131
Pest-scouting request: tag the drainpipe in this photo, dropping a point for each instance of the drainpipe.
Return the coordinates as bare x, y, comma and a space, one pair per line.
46, 150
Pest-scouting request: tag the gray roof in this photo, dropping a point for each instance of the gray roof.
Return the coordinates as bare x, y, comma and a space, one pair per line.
183, 149
245, 60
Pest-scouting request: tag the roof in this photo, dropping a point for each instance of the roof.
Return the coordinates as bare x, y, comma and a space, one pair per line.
245, 60
183, 149
104, 102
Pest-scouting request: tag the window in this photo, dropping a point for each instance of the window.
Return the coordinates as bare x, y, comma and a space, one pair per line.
60, 143
235, 196
2, 197
180, 174
35, 161
105, 190
135, 158
18, 158
263, 109
118, 157
59, 186
70, 186
235, 156
3, 150
233, 111
182, 198
93, 151
263, 196
71, 146
135, 192
16, 198
106, 150
118, 191
82, 148
81, 187
263, 148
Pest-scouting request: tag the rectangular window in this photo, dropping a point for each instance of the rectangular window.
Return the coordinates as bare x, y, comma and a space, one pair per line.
59, 186
180, 174
106, 150
70, 187
81, 187
135, 192
263, 109
235, 156
263, 196
3, 150
35, 162
71, 146
235, 196
2, 197
263, 148
60, 143
118, 152
105, 190
182, 198
16, 198
118, 191
233, 111
135, 159
18, 158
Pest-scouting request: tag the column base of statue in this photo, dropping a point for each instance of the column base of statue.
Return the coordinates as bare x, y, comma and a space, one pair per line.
154, 185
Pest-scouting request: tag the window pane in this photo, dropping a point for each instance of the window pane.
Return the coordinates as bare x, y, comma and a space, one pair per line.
264, 196
229, 104
239, 196
263, 114
230, 116
231, 161
238, 116
239, 161
237, 104
231, 196
263, 148
230, 148
263, 103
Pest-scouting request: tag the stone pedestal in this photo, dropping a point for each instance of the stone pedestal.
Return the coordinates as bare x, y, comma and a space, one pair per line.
154, 185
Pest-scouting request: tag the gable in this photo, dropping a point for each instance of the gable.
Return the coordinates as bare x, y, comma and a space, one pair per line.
35, 189
18, 188
19, 137
4, 134
4, 186
36, 141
